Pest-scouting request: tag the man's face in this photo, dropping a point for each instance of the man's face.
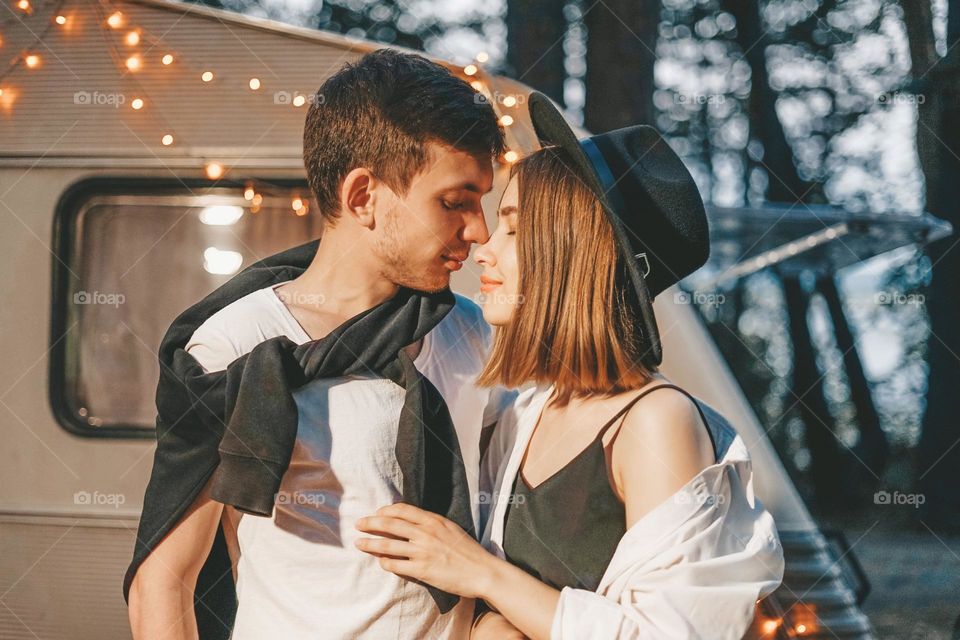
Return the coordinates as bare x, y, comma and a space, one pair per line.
424, 236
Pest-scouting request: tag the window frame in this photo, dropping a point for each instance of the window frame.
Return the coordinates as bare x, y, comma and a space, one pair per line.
71, 203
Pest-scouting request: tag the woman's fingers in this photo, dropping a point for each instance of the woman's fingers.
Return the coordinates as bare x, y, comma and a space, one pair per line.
396, 549
409, 513
388, 526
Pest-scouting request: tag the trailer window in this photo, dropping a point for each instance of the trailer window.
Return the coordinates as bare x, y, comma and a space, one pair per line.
129, 258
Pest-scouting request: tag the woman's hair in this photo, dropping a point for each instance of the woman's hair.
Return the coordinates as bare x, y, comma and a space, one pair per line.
574, 324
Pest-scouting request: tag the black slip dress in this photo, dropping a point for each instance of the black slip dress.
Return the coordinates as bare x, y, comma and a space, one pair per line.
565, 530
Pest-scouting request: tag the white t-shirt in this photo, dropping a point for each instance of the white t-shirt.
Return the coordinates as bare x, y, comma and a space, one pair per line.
299, 574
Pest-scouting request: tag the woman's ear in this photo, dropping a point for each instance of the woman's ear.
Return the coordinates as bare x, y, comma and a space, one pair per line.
358, 196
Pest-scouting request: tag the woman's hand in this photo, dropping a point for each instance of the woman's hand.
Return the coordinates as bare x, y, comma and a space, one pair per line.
421, 545
493, 626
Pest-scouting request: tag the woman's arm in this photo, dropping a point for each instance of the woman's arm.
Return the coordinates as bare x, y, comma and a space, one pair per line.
430, 548
657, 451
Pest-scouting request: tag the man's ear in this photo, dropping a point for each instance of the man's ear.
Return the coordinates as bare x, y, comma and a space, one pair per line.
358, 196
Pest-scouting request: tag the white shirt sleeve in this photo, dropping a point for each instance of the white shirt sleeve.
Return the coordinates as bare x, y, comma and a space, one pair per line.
212, 348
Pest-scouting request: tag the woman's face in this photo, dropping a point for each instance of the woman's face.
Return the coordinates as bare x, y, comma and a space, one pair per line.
498, 257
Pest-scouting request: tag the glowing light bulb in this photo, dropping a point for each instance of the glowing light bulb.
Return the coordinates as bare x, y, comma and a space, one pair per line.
213, 170
482, 56
115, 21
32, 61
206, 76
254, 83
24, 5
134, 63
299, 101
60, 19
511, 156
509, 101
470, 69
167, 59
133, 38
137, 104
506, 120
166, 140
249, 193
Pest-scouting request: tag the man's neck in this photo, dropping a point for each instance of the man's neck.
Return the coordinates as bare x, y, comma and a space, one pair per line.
340, 281
336, 286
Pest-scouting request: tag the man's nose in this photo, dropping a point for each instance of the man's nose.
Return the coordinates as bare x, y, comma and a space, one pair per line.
476, 228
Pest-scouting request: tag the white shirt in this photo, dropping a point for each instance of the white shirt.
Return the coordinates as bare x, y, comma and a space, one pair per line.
693, 567
299, 574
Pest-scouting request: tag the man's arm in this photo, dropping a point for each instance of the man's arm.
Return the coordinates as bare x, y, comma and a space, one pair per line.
161, 594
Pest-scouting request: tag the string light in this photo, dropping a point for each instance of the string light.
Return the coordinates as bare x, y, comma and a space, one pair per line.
7, 97
213, 170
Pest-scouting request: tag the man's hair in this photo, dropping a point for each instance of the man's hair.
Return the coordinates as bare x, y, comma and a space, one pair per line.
380, 113
574, 325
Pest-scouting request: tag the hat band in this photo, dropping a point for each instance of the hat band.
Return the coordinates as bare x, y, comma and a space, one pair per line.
609, 184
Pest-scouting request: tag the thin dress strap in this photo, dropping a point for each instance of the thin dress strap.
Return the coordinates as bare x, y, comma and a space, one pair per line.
703, 417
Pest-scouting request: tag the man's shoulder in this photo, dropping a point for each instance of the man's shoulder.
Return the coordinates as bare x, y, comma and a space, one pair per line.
465, 327
468, 315
234, 331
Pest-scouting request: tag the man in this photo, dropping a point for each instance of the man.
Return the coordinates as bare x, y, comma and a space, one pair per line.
398, 154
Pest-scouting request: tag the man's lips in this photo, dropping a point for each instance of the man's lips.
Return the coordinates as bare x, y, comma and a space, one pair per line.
454, 262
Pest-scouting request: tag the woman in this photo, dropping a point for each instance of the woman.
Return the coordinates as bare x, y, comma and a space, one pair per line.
619, 506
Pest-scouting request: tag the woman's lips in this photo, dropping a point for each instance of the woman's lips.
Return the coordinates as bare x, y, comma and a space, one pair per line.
488, 284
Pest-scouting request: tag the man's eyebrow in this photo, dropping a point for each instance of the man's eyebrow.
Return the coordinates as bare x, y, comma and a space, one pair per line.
507, 211
468, 186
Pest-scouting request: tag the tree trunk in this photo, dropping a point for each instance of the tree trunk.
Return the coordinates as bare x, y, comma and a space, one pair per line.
938, 145
785, 184
621, 46
535, 32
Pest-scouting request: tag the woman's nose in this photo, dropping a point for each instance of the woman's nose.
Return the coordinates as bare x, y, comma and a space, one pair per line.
484, 256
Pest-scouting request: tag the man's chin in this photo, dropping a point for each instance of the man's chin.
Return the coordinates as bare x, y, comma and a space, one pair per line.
432, 284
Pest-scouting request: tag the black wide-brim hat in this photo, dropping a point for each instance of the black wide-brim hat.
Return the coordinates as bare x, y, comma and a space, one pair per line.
651, 200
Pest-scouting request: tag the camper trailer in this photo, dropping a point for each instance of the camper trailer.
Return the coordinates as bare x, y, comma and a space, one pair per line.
148, 151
